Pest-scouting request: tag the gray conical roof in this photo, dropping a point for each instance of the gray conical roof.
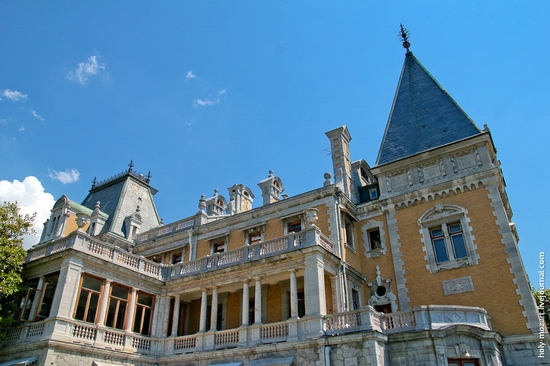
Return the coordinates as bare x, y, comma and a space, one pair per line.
423, 116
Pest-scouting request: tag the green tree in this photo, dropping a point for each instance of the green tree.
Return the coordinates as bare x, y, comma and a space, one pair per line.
542, 299
13, 225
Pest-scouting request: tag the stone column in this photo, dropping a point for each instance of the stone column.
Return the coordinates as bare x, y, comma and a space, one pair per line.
166, 316
245, 304
315, 286
67, 288
155, 317
36, 299
131, 311
104, 301
258, 302
175, 316
204, 308
293, 295
214, 310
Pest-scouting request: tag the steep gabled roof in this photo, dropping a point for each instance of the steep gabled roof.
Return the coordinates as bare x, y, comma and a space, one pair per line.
423, 116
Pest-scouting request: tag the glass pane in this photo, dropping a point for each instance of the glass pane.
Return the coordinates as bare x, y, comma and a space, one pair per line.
92, 308
469, 363
440, 250
121, 315
374, 237
111, 313
46, 304
436, 232
137, 319
91, 283
120, 292
81, 306
454, 228
459, 246
145, 300
146, 321
26, 304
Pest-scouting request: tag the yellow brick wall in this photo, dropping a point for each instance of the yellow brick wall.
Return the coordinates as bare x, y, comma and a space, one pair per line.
274, 301
273, 229
233, 311
203, 248
194, 316
328, 295
493, 282
323, 219
236, 239
368, 265
71, 225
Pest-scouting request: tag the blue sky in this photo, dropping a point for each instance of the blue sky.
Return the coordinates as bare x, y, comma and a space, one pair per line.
205, 94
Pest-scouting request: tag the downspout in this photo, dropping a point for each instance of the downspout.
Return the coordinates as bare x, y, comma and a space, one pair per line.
341, 246
327, 355
191, 251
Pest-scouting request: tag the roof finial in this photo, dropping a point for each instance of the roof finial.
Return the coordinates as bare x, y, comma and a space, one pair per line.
131, 165
404, 35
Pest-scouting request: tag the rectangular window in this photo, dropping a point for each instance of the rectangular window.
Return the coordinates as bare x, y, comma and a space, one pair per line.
374, 239
348, 228
26, 302
88, 300
295, 226
251, 312
48, 292
463, 362
218, 247
144, 311
355, 299
116, 310
448, 242
254, 237
176, 258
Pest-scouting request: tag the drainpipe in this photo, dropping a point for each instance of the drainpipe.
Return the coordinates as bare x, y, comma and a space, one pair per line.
327, 355
341, 246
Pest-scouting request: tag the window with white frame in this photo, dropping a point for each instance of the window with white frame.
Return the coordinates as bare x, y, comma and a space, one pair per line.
293, 224
218, 245
447, 238
374, 238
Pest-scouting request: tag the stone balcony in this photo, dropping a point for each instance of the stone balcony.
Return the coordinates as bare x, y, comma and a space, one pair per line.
431, 317
82, 242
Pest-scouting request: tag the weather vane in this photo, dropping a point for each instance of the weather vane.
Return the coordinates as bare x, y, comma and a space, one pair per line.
404, 35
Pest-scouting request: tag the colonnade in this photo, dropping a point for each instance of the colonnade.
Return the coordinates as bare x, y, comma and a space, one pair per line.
314, 296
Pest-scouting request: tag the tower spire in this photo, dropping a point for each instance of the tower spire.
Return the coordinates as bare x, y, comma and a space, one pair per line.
404, 35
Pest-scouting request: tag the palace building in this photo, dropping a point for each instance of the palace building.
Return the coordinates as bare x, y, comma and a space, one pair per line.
390, 264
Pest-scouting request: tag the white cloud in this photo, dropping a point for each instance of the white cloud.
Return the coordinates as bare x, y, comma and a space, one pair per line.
190, 75
66, 177
85, 70
37, 116
22, 128
209, 102
14, 95
31, 198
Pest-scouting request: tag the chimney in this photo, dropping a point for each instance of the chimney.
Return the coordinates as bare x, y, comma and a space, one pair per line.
341, 163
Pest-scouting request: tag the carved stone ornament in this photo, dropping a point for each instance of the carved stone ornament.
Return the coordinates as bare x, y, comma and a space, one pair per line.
458, 285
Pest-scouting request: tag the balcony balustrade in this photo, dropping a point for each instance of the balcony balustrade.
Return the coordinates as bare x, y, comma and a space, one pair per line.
431, 317
82, 242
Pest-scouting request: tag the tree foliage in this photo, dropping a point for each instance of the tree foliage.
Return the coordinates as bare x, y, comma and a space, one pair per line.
13, 225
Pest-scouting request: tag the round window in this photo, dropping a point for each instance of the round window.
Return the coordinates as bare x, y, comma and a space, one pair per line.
380, 291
